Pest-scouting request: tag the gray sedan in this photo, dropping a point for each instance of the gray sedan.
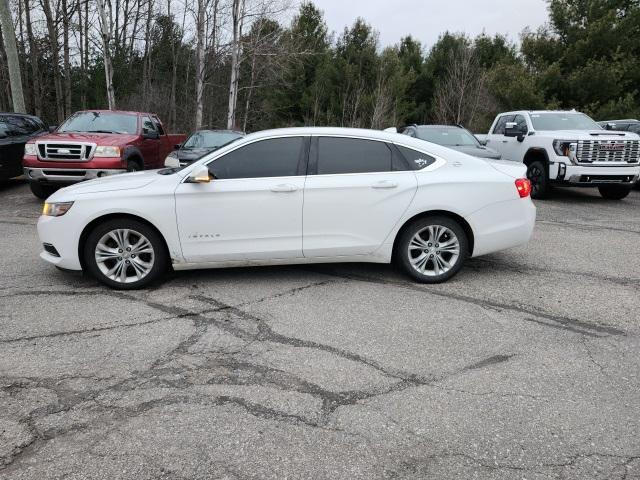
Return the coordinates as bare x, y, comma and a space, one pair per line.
452, 136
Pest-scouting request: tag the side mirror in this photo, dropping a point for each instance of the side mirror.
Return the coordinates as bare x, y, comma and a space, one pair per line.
511, 129
172, 162
52, 128
152, 135
200, 174
610, 126
177, 146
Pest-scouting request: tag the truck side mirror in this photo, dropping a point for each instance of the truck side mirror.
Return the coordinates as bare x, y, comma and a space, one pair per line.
512, 129
177, 146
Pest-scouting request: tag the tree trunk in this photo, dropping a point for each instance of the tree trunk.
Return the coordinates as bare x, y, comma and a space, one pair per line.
13, 62
108, 69
52, 32
67, 64
238, 17
200, 65
146, 67
33, 60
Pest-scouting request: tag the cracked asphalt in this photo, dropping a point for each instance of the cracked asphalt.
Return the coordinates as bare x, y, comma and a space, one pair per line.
525, 366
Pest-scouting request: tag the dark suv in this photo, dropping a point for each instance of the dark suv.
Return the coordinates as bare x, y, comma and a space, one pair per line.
16, 129
629, 125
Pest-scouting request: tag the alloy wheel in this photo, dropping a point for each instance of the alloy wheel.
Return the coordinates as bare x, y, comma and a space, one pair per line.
434, 250
124, 255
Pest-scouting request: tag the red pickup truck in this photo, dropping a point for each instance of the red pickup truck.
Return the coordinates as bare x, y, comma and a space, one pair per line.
96, 143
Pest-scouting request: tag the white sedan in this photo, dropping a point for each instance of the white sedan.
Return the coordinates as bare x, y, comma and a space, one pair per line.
293, 196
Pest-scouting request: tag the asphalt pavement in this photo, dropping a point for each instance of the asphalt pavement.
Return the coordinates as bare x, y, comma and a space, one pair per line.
524, 366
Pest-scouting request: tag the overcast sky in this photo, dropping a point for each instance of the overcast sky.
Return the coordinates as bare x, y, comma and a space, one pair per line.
426, 19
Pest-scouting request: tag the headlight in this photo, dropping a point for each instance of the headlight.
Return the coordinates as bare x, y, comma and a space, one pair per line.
56, 209
171, 161
564, 147
107, 152
30, 149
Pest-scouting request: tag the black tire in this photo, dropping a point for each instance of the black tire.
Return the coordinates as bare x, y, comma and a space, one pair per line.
134, 165
539, 178
158, 258
41, 191
614, 192
404, 255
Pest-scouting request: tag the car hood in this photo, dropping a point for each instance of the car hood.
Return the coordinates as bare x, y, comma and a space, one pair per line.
589, 135
192, 155
480, 152
125, 181
107, 139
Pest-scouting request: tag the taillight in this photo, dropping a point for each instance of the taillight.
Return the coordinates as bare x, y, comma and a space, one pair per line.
523, 185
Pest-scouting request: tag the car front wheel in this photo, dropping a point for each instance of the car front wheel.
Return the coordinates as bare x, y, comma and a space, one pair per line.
432, 249
125, 254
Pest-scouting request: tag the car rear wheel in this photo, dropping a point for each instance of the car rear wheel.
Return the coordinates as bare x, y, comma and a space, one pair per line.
614, 192
432, 249
537, 175
41, 191
125, 254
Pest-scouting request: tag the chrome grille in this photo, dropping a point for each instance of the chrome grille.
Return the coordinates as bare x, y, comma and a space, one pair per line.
621, 151
66, 152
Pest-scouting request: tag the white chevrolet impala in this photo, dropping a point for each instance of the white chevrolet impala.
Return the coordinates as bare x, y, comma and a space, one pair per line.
293, 196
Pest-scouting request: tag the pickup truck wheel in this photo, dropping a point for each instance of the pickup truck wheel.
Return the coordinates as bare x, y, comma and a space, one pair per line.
432, 249
614, 192
41, 191
125, 254
537, 175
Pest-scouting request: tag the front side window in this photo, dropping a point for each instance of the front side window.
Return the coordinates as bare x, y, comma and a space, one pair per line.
277, 157
350, 155
563, 121
502, 123
521, 123
101, 122
148, 126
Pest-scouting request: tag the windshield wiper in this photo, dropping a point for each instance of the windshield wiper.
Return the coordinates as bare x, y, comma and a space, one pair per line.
100, 131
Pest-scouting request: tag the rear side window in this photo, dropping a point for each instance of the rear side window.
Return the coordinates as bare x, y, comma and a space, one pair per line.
277, 157
416, 159
502, 122
350, 155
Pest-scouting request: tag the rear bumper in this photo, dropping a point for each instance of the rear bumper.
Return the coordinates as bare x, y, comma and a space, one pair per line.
593, 175
67, 175
502, 225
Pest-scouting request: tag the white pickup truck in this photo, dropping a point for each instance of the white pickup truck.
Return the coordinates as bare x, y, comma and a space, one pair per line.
567, 149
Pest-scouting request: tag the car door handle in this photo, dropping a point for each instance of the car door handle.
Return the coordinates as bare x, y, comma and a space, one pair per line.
284, 187
384, 184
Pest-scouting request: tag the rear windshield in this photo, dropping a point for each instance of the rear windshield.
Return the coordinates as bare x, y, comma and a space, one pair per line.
563, 121
448, 136
210, 139
101, 122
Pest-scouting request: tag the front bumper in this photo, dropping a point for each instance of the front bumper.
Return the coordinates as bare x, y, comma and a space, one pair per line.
59, 235
67, 175
593, 175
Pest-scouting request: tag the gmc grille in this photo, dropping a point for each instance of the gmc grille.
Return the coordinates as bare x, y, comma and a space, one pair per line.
66, 152
621, 151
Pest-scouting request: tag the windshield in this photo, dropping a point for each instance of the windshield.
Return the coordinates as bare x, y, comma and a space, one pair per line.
448, 136
563, 121
101, 122
210, 140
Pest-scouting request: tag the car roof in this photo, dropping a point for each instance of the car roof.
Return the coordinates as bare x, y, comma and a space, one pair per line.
537, 112
360, 133
626, 120
437, 126
214, 130
127, 112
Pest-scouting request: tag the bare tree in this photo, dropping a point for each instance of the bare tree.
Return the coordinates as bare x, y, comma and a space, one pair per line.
237, 19
13, 62
462, 91
105, 26
33, 60
200, 63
